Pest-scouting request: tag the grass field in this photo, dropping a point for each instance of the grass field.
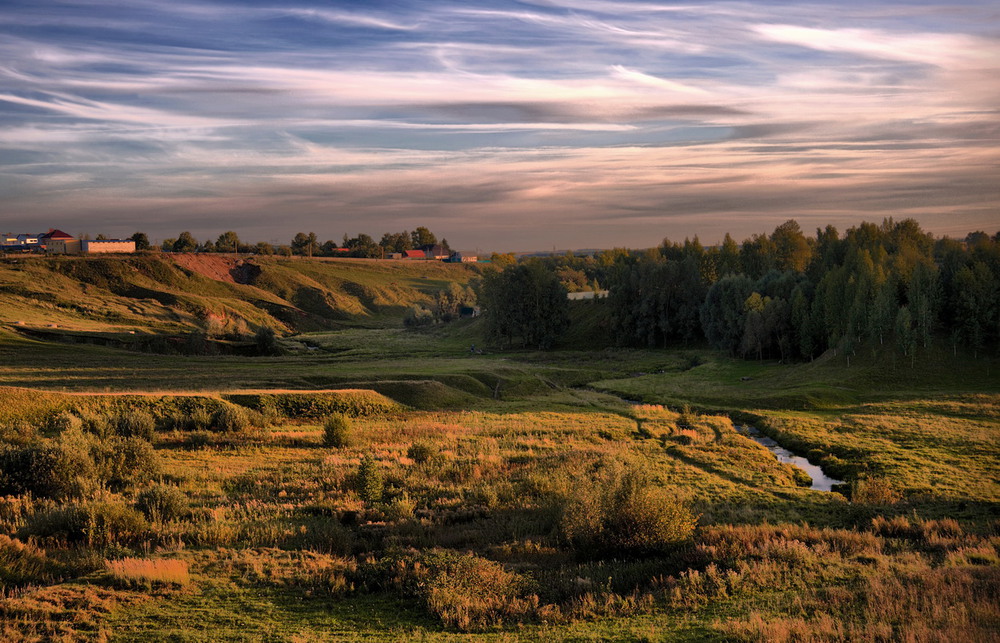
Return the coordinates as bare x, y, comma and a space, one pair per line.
382, 484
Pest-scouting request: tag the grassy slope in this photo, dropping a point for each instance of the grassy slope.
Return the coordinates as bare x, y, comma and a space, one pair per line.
151, 293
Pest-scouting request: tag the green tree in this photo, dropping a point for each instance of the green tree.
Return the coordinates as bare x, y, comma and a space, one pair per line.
305, 244
228, 242
185, 243
724, 312
422, 237
141, 241
524, 302
792, 250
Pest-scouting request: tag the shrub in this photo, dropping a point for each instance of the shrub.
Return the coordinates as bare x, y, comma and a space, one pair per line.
48, 469
337, 431
126, 462
64, 421
417, 316
472, 593
138, 424
232, 418
420, 452
162, 503
96, 524
267, 341
874, 491
624, 514
370, 483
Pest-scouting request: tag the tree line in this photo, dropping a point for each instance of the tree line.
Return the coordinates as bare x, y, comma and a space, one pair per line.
784, 295
302, 244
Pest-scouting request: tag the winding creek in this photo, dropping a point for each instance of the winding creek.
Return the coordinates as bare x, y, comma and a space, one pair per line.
820, 481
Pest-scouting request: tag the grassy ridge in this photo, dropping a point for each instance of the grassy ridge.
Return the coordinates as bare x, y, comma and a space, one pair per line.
154, 293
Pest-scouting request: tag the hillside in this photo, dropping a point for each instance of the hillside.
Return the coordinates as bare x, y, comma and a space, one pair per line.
122, 300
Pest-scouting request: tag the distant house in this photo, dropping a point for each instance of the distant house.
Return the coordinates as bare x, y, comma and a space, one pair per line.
458, 257
105, 246
63, 246
19, 243
414, 254
58, 242
435, 251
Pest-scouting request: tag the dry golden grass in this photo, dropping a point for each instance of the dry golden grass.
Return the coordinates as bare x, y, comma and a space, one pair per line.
159, 572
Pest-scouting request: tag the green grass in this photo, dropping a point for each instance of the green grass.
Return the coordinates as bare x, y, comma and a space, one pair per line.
282, 545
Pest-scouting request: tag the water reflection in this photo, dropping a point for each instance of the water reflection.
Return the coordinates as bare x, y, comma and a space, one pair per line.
820, 480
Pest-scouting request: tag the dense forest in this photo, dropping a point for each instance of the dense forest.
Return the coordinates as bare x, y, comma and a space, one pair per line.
787, 295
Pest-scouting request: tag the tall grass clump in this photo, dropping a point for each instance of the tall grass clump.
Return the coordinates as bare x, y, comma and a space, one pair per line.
338, 431
144, 572
162, 503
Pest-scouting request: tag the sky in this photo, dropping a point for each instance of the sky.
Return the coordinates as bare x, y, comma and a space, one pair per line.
499, 125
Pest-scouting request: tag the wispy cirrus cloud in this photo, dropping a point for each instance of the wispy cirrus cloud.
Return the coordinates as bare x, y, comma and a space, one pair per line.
569, 122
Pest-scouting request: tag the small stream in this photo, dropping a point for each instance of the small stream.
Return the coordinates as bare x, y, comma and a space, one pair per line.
820, 481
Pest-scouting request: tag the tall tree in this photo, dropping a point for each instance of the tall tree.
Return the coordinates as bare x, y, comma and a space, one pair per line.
185, 243
141, 241
524, 302
422, 237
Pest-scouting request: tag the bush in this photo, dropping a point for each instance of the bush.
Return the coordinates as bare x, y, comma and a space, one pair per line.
49, 470
417, 316
472, 593
370, 483
420, 452
64, 421
624, 515
162, 503
337, 431
96, 524
138, 424
126, 462
233, 419
874, 491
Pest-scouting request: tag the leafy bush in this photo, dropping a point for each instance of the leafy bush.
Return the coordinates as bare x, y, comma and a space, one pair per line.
624, 515
48, 469
96, 524
420, 452
370, 482
64, 421
417, 316
125, 462
162, 503
233, 419
138, 424
337, 431
472, 593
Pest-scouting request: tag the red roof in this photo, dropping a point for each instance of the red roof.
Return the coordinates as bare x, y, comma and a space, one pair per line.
414, 254
53, 233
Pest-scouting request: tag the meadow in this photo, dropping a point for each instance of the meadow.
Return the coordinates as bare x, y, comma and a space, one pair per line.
380, 483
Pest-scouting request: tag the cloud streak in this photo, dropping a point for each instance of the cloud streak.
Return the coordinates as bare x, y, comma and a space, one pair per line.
566, 122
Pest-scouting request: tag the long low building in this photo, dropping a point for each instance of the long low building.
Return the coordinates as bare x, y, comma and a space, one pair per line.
104, 246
